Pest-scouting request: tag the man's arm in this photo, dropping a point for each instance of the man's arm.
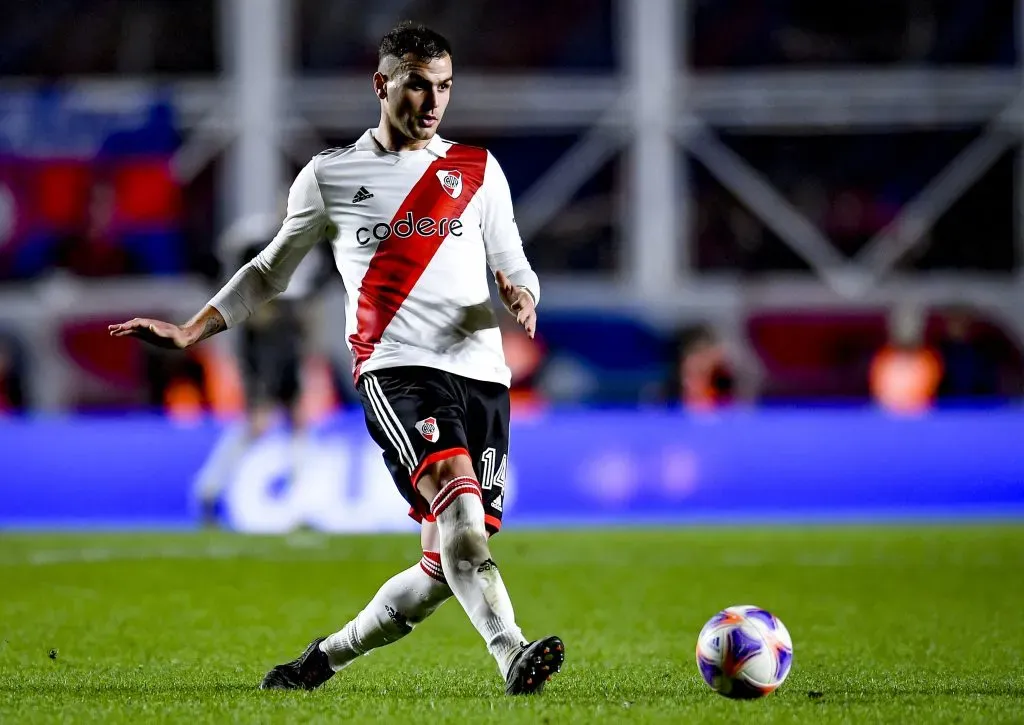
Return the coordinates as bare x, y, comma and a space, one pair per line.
206, 323
518, 285
259, 281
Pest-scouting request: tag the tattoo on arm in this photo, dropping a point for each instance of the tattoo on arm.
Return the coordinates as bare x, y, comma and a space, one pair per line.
212, 326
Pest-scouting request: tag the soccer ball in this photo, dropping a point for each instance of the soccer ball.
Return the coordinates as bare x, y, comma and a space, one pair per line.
744, 652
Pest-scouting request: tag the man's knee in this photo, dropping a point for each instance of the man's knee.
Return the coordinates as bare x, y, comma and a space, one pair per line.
434, 477
451, 485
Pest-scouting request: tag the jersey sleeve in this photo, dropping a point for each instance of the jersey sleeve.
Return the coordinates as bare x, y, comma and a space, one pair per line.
268, 274
502, 242
303, 227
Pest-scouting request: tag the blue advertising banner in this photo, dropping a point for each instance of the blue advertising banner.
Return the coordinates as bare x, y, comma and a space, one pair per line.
565, 468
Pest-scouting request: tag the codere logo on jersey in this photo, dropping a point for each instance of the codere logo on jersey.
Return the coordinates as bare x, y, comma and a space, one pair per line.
407, 226
428, 429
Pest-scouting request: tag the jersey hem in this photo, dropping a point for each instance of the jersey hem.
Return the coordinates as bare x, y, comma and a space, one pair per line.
465, 371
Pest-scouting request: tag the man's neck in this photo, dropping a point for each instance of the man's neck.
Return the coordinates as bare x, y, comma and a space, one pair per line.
389, 139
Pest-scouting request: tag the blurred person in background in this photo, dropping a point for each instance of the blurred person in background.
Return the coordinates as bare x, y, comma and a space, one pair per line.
968, 369
525, 358
12, 377
95, 249
274, 360
703, 377
905, 373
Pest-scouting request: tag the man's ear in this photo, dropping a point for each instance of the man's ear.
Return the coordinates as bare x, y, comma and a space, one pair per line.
380, 85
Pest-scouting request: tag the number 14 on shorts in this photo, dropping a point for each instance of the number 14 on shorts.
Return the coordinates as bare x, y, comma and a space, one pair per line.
493, 475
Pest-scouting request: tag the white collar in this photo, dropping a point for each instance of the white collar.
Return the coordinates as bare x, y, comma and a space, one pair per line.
437, 145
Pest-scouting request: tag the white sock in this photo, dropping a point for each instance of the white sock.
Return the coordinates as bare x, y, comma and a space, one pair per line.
471, 573
405, 600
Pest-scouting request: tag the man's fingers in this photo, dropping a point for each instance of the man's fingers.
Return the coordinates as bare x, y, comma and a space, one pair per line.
153, 332
531, 325
124, 328
504, 283
138, 327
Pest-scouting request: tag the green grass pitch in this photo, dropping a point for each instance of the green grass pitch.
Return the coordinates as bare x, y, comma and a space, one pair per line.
919, 624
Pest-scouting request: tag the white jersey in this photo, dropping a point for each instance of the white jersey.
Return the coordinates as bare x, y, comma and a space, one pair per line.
412, 233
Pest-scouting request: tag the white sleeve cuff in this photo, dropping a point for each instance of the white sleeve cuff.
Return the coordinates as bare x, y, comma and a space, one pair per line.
527, 279
246, 291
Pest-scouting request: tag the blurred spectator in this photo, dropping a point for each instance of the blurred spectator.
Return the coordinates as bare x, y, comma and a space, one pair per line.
968, 370
95, 251
12, 377
192, 384
703, 377
525, 359
905, 373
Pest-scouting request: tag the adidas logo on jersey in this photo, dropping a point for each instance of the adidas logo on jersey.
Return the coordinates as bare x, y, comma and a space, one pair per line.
361, 195
428, 429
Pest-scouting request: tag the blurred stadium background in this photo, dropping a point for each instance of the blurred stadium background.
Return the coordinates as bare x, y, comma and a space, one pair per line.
781, 246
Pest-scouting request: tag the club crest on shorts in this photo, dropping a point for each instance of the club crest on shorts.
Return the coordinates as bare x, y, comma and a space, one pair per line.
428, 429
451, 182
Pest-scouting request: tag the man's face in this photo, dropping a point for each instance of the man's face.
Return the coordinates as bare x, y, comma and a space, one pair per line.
414, 95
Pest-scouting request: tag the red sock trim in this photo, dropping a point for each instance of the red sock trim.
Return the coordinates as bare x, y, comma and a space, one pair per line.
452, 490
493, 522
431, 566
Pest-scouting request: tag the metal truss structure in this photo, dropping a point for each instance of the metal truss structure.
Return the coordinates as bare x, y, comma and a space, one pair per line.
653, 110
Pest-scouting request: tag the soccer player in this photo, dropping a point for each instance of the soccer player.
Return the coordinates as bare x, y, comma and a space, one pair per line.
412, 219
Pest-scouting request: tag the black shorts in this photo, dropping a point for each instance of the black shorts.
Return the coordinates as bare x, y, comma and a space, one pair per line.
421, 415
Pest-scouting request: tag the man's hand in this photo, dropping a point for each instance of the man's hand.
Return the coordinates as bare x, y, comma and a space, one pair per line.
170, 336
155, 332
519, 302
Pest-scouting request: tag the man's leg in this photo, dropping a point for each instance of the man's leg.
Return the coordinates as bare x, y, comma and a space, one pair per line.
418, 417
404, 601
456, 503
